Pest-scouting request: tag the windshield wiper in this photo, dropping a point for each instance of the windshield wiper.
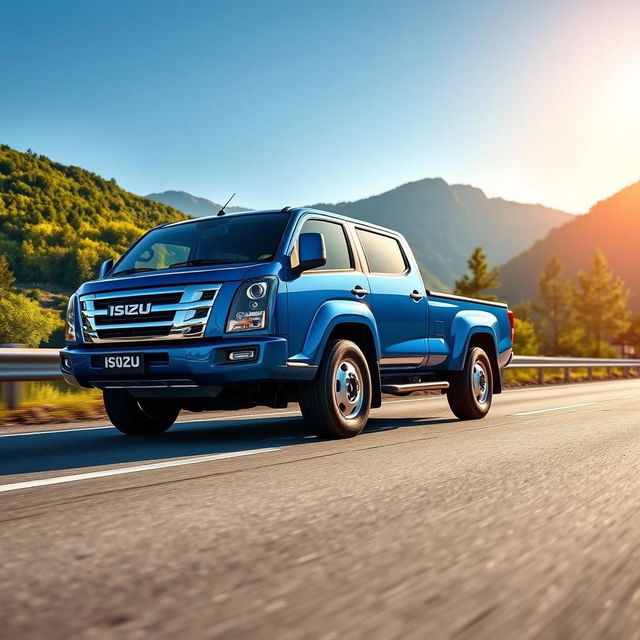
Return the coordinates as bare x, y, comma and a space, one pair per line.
134, 270
197, 263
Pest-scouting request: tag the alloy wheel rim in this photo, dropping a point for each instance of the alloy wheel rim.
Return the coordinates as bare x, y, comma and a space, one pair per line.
347, 389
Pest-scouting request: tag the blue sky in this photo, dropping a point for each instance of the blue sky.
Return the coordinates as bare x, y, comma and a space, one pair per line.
296, 102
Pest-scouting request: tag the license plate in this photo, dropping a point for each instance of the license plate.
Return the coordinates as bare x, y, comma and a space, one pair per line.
131, 363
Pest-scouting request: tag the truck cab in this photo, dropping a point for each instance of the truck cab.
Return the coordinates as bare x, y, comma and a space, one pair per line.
268, 307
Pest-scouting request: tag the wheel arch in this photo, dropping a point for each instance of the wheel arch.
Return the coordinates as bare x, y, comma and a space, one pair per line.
486, 341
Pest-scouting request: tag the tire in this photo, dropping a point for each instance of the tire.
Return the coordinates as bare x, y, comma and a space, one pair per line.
336, 403
471, 390
138, 417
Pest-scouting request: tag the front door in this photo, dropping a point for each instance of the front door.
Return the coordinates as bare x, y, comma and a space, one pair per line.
336, 280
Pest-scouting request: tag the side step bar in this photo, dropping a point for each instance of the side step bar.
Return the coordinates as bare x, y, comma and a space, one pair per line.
406, 389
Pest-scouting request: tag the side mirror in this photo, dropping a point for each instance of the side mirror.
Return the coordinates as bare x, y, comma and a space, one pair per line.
311, 252
105, 267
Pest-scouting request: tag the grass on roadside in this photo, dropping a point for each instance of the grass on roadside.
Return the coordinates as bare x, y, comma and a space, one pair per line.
53, 402
524, 377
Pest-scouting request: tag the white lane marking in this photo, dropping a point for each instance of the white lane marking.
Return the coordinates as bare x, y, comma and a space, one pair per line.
212, 419
573, 406
295, 413
143, 467
566, 406
40, 433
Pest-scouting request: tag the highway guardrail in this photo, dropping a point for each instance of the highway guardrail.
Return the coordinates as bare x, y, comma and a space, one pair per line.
19, 364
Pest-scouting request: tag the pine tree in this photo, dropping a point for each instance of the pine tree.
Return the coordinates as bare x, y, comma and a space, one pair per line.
6, 276
482, 277
553, 306
601, 304
526, 342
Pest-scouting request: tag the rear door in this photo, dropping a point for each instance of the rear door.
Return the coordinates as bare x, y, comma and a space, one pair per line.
398, 299
334, 281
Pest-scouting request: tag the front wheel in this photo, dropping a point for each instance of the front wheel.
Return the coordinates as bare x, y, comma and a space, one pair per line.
471, 389
138, 417
336, 403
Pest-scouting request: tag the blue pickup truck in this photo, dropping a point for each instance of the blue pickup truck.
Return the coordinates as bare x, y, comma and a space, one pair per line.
269, 307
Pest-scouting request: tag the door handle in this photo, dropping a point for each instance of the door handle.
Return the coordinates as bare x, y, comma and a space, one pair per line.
359, 291
416, 295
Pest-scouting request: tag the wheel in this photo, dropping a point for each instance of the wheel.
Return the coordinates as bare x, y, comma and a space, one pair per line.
336, 403
138, 417
471, 389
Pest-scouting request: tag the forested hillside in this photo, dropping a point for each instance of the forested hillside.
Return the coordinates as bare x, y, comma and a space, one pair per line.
58, 222
612, 225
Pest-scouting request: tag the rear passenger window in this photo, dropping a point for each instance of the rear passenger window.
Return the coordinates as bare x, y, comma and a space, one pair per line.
384, 254
335, 242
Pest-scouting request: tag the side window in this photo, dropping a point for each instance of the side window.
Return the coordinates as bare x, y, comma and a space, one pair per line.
383, 253
335, 242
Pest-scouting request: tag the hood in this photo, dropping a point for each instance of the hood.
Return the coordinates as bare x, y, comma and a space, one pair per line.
184, 276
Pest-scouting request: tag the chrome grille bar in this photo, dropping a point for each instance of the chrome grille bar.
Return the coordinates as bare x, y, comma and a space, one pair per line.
137, 326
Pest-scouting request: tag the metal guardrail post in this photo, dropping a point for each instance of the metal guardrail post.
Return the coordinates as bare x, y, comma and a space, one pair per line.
12, 389
567, 374
540, 375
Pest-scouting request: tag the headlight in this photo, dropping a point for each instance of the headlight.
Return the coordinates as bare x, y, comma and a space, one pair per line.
70, 326
250, 307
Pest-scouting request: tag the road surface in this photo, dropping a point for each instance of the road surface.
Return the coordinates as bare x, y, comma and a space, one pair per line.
522, 525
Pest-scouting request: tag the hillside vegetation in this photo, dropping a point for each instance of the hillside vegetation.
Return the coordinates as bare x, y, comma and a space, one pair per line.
612, 226
58, 222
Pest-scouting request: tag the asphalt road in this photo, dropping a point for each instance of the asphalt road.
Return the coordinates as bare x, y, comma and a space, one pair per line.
522, 525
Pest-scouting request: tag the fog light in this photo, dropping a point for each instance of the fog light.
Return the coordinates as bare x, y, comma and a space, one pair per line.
244, 354
66, 363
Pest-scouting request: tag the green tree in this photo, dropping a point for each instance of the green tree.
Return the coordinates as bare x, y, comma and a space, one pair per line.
600, 304
526, 341
553, 307
7, 279
24, 321
631, 337
482, 277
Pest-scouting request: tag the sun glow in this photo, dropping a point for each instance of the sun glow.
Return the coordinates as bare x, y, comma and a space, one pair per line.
624, 92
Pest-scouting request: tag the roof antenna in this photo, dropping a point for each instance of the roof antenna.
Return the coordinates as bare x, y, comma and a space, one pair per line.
221, 212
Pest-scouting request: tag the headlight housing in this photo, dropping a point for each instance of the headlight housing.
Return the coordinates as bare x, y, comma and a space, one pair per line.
70, 325
251, 305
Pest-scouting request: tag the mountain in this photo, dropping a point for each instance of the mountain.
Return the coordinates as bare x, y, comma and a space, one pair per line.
191, 205
612, 225
445, 222
58, 222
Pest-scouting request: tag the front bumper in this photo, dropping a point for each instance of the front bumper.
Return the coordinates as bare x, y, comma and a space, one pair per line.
202, 363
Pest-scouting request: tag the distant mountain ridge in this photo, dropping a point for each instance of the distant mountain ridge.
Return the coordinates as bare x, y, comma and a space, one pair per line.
190, 204
612, 225
445, 222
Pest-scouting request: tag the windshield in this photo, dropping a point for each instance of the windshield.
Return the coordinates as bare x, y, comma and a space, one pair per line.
236, 239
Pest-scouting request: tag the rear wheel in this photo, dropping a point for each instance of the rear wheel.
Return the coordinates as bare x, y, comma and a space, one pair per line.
138, 417
336, 403
471, 389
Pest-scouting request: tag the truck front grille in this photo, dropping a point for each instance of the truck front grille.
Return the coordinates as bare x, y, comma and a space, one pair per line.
162, 313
